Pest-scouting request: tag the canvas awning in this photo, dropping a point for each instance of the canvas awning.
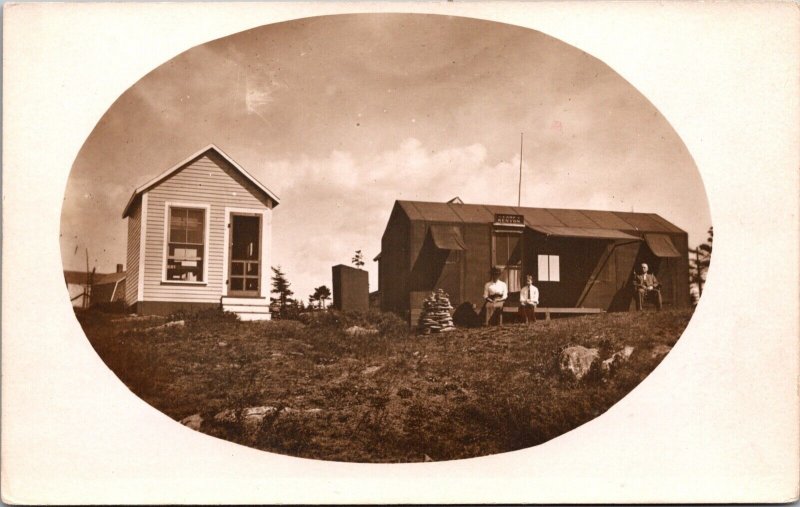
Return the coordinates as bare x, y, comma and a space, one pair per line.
661, 245
582, 232
447, 237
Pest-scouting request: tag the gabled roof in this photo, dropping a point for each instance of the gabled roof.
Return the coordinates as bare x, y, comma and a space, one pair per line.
180, 165
79, 277
109, 278
537, 218
75, 277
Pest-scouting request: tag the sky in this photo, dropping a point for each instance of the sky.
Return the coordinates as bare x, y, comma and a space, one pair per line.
342, 115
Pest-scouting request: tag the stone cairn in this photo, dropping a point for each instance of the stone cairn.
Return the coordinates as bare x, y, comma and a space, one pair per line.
435, 316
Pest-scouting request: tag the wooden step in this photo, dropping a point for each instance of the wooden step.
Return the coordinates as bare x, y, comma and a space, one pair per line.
254, 316
228, 300
246, 308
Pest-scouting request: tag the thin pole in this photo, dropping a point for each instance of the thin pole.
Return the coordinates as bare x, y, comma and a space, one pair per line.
88, 282
519, 190
699, 273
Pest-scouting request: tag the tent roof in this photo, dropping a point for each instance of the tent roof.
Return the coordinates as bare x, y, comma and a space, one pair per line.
79, 277
584, 232
549, 217
661, 245
180, 165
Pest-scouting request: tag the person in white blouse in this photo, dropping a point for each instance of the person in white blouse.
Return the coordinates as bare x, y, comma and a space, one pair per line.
495, 293
528, 300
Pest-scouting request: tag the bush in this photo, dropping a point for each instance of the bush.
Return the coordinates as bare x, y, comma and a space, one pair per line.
388, 324
115, 307
208, 315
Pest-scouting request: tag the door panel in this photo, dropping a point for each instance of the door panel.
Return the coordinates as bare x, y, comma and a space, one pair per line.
245, 255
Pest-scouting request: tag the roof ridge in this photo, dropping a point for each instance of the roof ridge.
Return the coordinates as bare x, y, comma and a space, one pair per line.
625, 220
183, 163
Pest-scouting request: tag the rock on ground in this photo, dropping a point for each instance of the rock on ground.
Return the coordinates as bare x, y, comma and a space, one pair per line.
577, 360
251, 417
359, 331
660, 350
618, 358
194, 421
257, 412
174, 323
226, 416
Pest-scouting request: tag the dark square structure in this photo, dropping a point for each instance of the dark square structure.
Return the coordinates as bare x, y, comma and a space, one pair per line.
350, 289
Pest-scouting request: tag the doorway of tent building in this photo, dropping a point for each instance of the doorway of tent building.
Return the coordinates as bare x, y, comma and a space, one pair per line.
663, 271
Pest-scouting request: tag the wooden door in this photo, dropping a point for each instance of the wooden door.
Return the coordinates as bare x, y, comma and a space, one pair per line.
245, 255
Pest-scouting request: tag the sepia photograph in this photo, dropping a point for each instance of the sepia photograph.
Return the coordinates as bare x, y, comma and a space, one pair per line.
334, 238
384, 238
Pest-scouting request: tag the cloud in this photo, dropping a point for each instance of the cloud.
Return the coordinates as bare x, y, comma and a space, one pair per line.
332, 206
260, 90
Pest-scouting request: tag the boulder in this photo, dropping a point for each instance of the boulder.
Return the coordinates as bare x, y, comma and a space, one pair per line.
194, 421
626, 352
617, 358
174, 323
226, 416
252, 417
577, 360
257, 412
360, 331
660, 350
371, 369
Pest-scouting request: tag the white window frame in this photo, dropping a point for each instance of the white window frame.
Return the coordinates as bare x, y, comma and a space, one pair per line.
207, 227
553, 265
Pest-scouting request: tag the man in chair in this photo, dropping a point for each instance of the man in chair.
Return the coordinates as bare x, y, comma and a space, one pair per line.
646, 286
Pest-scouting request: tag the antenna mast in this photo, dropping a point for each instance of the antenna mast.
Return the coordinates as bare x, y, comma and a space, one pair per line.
519, 190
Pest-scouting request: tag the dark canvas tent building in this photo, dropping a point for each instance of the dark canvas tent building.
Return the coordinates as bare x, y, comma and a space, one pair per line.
578, 258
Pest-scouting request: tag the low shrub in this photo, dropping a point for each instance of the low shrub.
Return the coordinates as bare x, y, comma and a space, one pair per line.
207, 315
382, 397
115, 307
388, 324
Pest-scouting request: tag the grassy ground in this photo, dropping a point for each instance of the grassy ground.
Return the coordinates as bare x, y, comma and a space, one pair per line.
391, 397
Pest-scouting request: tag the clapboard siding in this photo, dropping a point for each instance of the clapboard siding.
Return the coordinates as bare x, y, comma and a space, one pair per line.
132, 274
206, 181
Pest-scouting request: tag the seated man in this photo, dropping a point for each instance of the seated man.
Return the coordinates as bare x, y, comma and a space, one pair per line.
646, 286
495, 294
528, 300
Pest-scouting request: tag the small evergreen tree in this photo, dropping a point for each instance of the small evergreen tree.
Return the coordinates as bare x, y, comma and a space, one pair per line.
312, 299
280, 286
320, 295
323, 294
358, 259
699, 264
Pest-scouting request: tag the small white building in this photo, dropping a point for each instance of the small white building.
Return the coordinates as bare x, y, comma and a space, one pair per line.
199, 237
